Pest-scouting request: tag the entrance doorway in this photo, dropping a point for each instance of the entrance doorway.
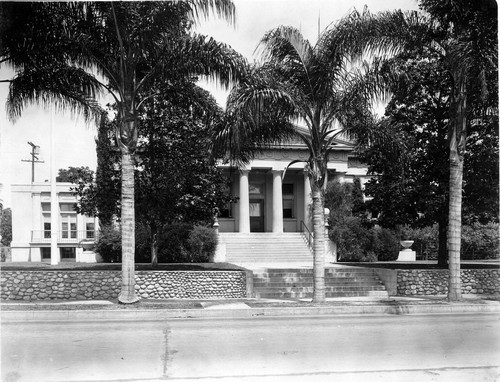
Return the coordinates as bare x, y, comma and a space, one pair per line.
256, 215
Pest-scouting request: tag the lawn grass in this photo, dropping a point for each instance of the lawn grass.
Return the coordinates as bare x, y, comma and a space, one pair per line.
464, 264
72, 266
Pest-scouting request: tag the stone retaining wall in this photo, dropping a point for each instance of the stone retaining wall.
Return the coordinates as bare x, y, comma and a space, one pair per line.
95, 285
434, 282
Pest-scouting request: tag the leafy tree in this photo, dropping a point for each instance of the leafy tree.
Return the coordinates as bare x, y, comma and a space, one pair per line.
411, 185
74, 174
106, 197
83, 178
178, 180
129, 44
310, 85
481, 178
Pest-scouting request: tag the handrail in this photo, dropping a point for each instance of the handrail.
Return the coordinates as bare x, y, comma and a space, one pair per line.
308, 236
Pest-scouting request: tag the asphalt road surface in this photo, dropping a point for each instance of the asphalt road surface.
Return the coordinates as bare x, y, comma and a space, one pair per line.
459, 347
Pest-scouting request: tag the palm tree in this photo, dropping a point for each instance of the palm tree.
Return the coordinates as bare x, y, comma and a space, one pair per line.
464, 35
67, 53
303, 90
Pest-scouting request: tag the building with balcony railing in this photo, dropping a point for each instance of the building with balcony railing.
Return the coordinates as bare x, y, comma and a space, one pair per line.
31, 225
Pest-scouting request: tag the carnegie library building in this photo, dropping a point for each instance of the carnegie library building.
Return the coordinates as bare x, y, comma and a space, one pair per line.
267, 201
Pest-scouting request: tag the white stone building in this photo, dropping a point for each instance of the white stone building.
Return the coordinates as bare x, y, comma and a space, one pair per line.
268, 203
31, 225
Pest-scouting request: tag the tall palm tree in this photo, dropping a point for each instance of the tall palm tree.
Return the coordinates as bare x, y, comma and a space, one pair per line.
464, 35
67, 53
306, 91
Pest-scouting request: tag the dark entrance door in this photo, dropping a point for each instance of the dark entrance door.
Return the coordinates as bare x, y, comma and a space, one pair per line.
256, 215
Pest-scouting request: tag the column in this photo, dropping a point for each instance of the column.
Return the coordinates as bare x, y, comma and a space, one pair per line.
307, 200
244, 203
36, 225
37, 217
277, 202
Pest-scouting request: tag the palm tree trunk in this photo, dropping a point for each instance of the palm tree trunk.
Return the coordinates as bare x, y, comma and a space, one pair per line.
457, 137
455, 228
127, 294
319, 245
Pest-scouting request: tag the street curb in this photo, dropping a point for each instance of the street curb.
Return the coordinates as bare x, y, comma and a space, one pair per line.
161, 314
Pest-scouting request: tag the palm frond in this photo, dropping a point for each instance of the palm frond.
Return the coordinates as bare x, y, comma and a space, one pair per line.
204, 8
68, 87
383, 34
200, 55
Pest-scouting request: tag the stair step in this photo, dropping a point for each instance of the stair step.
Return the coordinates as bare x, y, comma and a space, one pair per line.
284, 284
327, 289
298, 283
340, 275
327, 294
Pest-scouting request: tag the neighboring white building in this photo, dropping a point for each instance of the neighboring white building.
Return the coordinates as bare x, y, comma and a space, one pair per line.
268, 203
31, 225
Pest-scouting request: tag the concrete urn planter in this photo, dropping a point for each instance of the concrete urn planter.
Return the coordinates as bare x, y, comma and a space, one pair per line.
87, 245
407, 254
406, 244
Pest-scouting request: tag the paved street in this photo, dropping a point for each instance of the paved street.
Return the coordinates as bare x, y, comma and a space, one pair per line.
460, 347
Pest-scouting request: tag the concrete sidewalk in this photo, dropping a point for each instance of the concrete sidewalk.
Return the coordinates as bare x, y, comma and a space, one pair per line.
244, 308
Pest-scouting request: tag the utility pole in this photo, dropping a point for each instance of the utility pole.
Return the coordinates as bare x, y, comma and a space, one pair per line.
35, 150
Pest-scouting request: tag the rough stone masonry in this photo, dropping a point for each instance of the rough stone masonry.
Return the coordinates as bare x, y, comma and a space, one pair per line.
92, 285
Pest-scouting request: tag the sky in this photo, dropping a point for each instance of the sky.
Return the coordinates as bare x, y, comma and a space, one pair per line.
75, 140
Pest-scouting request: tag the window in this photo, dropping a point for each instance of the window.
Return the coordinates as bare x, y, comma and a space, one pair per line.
46, 207
46, 231
288, 201
90, 230
68, 226
67, 207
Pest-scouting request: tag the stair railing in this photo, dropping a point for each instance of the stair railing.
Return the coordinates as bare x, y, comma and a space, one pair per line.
306, 234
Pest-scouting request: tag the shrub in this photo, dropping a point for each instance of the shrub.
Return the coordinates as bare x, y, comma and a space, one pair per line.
142, 244
480, 241
184, 243
172, 248
109, 244
385, 244
201, 245
353, 239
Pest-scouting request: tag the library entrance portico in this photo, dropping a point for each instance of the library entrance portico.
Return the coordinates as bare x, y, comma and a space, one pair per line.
264, 202
269, 199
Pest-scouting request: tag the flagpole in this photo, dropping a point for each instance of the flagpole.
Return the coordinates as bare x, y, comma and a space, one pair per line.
54, 203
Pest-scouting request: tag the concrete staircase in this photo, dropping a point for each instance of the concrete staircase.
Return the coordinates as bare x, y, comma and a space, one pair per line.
297, 283
255, 250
